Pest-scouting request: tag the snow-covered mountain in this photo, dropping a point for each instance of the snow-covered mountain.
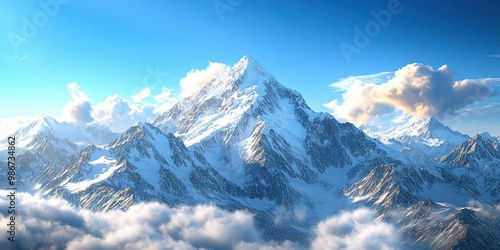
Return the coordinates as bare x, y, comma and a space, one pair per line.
45, 145
487, 135
244, 141
480, 152
424, 138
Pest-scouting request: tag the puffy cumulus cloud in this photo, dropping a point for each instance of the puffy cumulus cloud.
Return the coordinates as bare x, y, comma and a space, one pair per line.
78, 109
415, 89
119, 114
196, 79
141, 95
47, 223
355, 107
54, 224
210, 227
114, 112
356, 229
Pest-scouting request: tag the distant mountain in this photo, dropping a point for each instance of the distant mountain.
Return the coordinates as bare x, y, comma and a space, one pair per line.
487, 135
425, 138
45, 145
480, 152
142, 165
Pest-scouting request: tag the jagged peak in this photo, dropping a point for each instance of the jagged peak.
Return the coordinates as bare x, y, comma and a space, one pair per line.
486, 135
140, 131
48, 119
247, 62
248, 66
428, 123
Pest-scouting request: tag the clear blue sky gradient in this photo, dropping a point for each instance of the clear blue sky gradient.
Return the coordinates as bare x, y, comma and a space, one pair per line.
107, 47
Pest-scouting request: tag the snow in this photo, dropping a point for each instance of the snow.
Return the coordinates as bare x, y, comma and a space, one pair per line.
79, 135
100, 169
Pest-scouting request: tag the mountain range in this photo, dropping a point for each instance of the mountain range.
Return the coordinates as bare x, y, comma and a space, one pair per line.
244, 141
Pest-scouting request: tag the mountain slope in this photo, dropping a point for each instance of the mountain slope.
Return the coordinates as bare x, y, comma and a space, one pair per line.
263, 133
426, 138
45, 145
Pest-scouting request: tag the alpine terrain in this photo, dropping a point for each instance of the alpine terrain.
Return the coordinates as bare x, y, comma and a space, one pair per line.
244, 141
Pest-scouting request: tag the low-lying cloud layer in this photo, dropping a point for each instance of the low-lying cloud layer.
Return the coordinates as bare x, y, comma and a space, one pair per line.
50, 223
415, 89
356, 229
54, 224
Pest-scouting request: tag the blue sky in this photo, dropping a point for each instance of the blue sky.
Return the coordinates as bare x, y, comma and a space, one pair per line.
114, 49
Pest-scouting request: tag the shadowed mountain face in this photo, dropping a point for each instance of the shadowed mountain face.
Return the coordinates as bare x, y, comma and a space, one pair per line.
244, 141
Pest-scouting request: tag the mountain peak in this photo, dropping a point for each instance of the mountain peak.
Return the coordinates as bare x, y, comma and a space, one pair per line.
247, 65
433, 121
486, 135
47, 120
428, 123
247, 61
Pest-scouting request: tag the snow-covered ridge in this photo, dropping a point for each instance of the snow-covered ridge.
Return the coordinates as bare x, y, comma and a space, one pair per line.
79, 135
424, 138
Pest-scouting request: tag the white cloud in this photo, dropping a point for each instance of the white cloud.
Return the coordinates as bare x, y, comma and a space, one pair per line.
141, 95
52, 223
114, 112
356, 229
196, 79
78, 109
415, 89
165, 95
120, 114
55, 224
346, 83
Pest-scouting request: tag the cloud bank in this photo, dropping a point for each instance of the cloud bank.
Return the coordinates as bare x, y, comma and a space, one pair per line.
54, 224
415, 89
116, 112
355, 230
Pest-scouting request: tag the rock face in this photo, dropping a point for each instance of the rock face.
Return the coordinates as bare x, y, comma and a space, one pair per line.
244, 141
